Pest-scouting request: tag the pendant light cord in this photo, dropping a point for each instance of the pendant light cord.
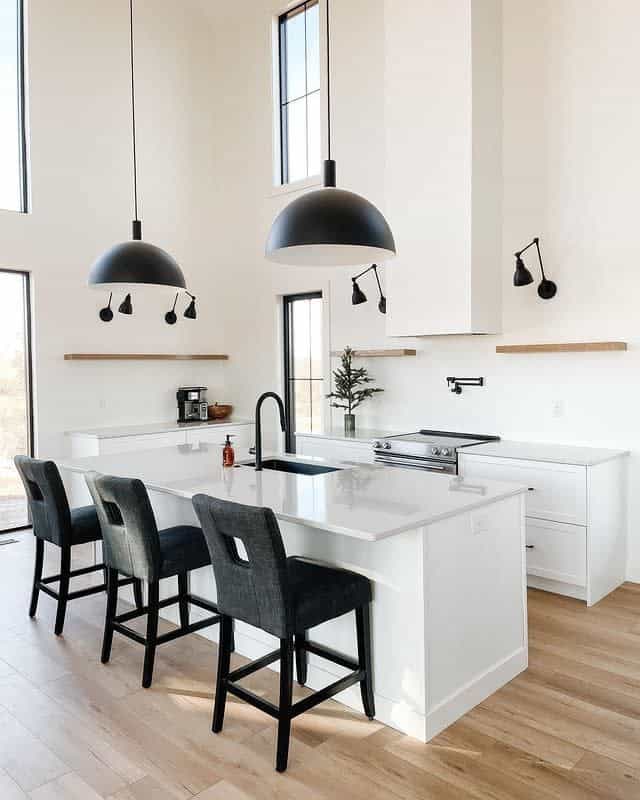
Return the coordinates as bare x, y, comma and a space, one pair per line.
328, 88
133, 115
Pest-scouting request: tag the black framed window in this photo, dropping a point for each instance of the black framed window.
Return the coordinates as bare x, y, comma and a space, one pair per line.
13, 138
16, 397
303, 364
299, 60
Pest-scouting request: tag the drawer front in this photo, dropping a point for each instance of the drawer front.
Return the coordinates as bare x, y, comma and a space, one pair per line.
241, 435
557, 552
559, 490
128, 444
334, 450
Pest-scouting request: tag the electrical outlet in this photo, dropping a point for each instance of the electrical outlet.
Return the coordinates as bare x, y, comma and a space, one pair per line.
557, 409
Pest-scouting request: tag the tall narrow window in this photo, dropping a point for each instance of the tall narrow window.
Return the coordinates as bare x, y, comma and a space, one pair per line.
299, 44
13, 143
16, 411
303, 364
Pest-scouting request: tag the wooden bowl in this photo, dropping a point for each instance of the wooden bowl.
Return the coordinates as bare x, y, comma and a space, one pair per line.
220, 411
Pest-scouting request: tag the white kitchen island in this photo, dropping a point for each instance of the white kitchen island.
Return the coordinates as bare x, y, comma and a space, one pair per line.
446, 558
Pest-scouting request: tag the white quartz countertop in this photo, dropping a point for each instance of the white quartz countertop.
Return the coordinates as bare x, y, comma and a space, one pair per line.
364, 435
540, 451
365, 501
155, 427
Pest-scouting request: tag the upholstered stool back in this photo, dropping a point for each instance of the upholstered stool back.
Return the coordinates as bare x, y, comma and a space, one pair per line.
47, 499
129, 530
254, 589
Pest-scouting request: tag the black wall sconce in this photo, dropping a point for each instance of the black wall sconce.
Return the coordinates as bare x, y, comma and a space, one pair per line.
455, 384
522, 277
125, 307
190, 312
358, 296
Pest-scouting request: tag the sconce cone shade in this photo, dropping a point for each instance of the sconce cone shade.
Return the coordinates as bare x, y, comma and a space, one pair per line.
125, 306
522, 276
357, 296
136, 262
190, 312
382, 305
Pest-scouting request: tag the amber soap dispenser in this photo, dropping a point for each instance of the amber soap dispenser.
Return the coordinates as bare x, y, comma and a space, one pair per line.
228, 454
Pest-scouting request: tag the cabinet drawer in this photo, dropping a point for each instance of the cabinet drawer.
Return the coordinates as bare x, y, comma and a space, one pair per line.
557, 552
151, 441
559, 490
334, 450
241, 435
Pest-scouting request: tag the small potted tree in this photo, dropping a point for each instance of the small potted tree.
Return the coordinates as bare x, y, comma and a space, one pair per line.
350, 388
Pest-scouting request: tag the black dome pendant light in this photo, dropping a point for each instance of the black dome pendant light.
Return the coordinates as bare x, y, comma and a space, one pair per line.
135, 262
330, 227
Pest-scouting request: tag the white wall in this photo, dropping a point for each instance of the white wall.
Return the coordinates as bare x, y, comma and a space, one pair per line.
571, 127
81, 196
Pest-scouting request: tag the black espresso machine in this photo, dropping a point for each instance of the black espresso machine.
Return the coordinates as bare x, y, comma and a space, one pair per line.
192, 404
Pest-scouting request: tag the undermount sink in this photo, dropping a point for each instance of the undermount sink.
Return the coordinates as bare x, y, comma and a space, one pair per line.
297, 467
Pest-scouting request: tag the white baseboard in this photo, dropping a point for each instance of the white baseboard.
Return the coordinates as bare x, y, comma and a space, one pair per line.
557, 587
474, 692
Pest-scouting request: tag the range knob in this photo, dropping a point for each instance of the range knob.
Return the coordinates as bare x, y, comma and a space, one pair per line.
376, 445
445, 452
386, 446
435, 451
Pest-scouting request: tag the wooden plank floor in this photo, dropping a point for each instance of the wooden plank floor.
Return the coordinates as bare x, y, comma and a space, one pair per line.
71, 729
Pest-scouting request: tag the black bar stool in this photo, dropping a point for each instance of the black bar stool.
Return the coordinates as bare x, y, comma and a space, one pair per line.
54, 522
134, 546
284, 597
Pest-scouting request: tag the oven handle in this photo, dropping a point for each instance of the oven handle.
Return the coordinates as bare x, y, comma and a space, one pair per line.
426, 465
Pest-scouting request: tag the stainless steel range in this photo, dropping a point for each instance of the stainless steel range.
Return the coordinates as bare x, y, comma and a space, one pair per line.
436, 451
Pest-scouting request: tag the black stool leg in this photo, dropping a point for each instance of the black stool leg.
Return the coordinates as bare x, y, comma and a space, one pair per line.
112, 607
37, 577
63, 590
302, 658
137, 594
224, 658
183, 603
363, 631
286, 689
152, 634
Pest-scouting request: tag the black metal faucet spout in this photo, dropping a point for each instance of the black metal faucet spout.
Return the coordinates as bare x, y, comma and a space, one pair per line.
283, 423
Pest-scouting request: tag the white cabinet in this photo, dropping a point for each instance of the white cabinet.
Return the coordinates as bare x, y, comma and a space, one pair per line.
575, 523
556, 551
335, 449
558, 491
444, 165
241, 435
129, 444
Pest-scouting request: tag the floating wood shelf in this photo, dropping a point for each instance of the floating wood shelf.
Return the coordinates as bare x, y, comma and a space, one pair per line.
390, 353
564, 347
144, 357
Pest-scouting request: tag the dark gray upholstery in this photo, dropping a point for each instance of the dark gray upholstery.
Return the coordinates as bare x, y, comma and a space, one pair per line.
320, 592
52, 519
132, 543
279, 595
182, 549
